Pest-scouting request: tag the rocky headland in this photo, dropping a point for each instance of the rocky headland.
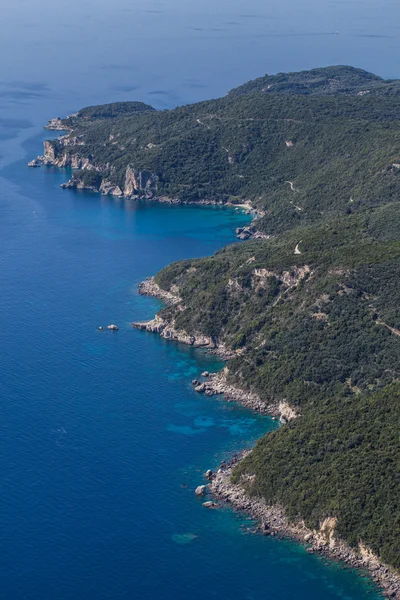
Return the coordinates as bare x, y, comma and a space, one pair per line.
214, 383
272, 520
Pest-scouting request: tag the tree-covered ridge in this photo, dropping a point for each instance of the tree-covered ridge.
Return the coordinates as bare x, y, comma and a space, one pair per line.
114, 110
297, 157
340, 79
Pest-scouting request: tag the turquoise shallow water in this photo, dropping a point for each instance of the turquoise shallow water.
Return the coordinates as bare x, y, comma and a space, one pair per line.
102, 440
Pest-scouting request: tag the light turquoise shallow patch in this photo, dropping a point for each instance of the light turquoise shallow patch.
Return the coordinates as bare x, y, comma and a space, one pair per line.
204, 422
183, 429
183, 538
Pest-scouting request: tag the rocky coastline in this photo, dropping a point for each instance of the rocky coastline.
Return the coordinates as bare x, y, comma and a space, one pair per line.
272, 520
138, 184
214, 383
149, 287
218, 383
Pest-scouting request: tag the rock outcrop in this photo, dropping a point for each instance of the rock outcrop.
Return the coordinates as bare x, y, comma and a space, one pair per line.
56, 125
75, 183
140, 183
250, 232
149, 287
57, 154
109, 189
218, 384
166, 329
211, 504
35, 163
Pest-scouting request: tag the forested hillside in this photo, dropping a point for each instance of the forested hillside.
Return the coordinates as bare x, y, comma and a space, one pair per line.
297, 157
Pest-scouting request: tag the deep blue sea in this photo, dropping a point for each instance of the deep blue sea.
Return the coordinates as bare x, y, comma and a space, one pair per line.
102, 439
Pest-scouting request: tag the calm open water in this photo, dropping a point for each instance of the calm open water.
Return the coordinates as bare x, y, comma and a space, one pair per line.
102, 439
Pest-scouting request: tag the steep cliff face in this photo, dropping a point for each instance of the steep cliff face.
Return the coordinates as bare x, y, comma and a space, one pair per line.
59, 153
49, 151
63, 153
140, 183
107, 188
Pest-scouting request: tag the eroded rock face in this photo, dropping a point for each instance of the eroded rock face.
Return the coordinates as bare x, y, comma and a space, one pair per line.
140, 183
287, 412
34, 163
109, 189
149, 287
49, 151
167, 330
55, 125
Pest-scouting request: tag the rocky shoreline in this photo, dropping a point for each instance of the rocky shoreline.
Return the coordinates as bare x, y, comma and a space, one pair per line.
271, 520
217, 384
149, 287
166, 327
137, 185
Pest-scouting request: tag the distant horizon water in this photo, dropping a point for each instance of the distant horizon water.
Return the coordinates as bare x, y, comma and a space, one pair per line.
103, 440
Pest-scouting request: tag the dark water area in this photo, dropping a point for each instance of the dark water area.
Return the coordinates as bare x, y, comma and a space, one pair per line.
102, 439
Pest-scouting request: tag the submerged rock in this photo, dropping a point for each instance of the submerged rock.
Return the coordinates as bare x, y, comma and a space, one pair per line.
183, 538
211, 504
34, 163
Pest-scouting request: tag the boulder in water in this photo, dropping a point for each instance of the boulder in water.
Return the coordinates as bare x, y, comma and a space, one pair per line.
210, 504
201, 490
